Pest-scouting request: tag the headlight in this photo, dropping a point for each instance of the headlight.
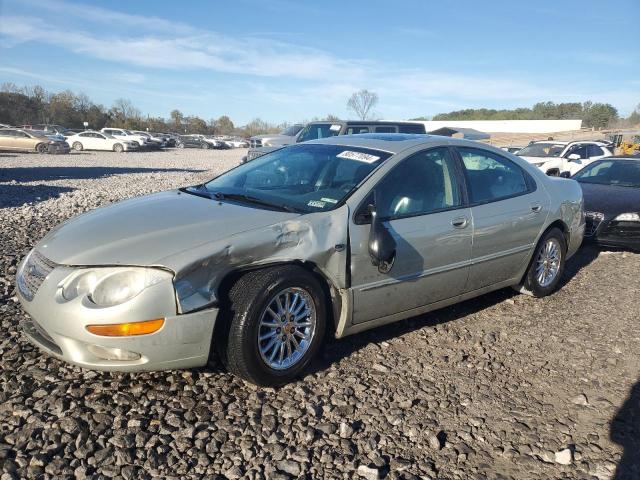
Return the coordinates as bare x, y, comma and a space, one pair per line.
107, 287
628, 217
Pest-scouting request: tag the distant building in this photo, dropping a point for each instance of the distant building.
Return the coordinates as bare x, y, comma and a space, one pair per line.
457, 132
506, 126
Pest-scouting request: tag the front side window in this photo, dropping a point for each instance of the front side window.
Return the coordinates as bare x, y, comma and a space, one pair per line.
303, 178
580, 150
424, 183
317, 131
491, 177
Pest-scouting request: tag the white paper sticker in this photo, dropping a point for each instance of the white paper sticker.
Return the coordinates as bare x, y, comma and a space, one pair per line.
316, 203
335, 128
329, 200
359, 156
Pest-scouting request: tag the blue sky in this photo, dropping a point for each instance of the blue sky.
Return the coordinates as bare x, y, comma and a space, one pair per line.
290, 60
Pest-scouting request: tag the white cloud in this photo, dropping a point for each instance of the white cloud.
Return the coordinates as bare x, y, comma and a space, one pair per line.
319, 77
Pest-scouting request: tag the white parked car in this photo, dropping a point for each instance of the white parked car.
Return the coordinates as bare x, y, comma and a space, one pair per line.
555, 158
91, 140
126, 135
238, 143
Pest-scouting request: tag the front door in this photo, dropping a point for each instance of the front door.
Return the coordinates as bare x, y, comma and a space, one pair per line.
508, 213
421, 201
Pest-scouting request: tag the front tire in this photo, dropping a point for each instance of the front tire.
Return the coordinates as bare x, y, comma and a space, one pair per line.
118, 148
274, 325
547, 265
77, 146
42, 148
204, 146
180, 145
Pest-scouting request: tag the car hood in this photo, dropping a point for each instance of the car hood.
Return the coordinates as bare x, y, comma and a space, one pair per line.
151, 230
609, 199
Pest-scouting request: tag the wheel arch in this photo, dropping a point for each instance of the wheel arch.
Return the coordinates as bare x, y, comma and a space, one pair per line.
330, 291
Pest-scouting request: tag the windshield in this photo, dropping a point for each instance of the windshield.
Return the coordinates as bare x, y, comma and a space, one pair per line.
318, 130
302, 178
622, 173
542, 150
292, 131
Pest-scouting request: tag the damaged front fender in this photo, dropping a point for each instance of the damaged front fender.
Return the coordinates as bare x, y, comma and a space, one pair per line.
317, 238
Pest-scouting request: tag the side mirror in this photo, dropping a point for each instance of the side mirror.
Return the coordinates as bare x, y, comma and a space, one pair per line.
574, 156
565, 174
382, 246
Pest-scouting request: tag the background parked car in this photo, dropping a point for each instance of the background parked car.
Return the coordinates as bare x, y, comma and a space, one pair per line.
127, 135
152, 141
30, 141
611, 190
285, 137
91, 140
556, 158
318, 130
188, 141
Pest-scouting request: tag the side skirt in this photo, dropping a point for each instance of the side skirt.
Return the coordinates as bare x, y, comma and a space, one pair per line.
346, 326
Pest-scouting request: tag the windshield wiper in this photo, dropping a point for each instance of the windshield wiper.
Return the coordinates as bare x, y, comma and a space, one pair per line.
255, 201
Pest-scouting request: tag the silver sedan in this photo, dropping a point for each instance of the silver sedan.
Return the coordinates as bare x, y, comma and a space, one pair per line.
258, 265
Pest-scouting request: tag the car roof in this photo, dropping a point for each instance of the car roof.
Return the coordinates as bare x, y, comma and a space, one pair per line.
362, 122
388, 142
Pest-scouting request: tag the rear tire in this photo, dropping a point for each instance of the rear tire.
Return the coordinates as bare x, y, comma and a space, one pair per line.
77, 146
118, 148
547, 265
248, 325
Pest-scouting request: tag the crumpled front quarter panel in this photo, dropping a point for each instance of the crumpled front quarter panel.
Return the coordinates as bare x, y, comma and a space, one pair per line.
308, 238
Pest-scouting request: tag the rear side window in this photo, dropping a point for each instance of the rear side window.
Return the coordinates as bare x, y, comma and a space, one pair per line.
491, 177
356, 129
414, 129
594, 151
386, 129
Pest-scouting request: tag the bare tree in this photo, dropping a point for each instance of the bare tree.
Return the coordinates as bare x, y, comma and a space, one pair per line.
362, 103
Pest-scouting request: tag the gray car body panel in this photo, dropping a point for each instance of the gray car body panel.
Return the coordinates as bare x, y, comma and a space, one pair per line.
201, 241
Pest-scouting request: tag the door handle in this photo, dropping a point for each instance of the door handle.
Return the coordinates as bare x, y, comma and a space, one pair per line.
460, 222
536, 208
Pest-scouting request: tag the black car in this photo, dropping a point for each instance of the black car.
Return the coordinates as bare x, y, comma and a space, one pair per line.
186, 141
611, 189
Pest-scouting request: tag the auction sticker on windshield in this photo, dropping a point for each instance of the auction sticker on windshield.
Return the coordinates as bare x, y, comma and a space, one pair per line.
359, 156
335, 128
316, 203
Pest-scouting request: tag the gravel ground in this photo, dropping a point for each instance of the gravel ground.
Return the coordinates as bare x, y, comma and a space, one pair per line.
504, 386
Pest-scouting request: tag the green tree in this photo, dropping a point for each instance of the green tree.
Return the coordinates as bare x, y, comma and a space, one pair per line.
224, 126
176, 120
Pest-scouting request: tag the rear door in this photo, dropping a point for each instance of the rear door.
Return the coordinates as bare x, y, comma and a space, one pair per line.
508, 211
422, 203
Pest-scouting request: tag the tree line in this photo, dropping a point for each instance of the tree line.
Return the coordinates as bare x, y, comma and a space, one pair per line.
34, 105
593, 114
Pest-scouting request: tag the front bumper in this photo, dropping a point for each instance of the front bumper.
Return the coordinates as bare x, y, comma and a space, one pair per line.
59, 149
58, 326
615, 234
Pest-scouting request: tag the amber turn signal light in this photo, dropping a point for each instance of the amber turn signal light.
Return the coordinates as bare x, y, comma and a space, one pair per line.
127, 329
